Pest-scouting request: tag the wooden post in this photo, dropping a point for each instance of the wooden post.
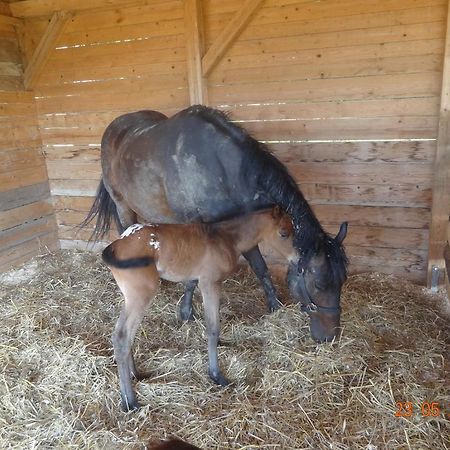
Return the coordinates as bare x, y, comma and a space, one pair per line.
46, 44
229, 34
193, 19
440, 209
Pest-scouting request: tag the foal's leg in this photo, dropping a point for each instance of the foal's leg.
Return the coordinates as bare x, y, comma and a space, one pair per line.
186, 310
138, 291
256, 261
211, 298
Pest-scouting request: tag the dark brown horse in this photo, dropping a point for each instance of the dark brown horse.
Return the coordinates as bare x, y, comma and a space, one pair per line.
207, 253
198, 166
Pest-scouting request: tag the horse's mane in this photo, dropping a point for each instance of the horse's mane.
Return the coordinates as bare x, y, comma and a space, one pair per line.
273, 178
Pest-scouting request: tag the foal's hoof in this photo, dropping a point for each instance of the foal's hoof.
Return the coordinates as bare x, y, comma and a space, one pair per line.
128, 406
219, 379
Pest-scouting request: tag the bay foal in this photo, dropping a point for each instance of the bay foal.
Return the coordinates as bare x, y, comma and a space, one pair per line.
207, 253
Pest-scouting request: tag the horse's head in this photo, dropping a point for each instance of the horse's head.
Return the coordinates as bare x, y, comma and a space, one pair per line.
316, 282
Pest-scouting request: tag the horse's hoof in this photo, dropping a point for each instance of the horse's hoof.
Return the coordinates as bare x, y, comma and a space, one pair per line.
187, 315
219, 379
139, 376
274, 305
129, 406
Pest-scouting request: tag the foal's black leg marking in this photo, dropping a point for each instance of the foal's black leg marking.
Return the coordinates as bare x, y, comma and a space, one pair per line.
186, 309
259, 266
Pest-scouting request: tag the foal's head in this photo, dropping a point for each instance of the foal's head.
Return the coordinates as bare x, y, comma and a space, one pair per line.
279, 235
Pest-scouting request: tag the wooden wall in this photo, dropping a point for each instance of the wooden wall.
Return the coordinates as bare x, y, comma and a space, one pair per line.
345, 92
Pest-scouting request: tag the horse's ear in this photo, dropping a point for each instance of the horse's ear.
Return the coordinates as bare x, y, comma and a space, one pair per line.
342, 233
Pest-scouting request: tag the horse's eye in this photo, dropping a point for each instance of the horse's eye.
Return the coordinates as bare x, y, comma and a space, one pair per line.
284, 234
320, 285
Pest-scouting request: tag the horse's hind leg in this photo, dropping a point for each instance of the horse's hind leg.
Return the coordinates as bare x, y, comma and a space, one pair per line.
124, 216
211, 298
258, 265
186, 309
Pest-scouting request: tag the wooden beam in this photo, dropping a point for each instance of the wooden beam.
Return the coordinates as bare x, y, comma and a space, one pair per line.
45, 46
193, 19
440, 209
229, 34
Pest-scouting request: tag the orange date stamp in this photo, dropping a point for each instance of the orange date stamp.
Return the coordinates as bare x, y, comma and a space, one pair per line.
426, 409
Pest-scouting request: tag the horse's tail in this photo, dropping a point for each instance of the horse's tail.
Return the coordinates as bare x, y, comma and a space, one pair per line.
110, 259
105, 210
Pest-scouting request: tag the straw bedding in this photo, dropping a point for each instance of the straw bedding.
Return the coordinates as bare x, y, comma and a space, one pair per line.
59, 387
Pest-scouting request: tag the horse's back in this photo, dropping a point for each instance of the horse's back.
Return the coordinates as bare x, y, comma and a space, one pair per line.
129, 123
183, 169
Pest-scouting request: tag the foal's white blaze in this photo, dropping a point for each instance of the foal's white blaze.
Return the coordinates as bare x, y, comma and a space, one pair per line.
131, 229
153, 242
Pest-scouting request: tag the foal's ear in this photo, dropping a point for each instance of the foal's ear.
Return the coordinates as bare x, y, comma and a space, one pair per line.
342, 233
277, 212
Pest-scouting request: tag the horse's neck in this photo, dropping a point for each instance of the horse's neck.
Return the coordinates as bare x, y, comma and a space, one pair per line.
247, 231
283, 190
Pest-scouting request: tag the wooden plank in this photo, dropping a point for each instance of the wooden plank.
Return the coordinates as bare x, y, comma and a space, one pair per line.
229, 34
24, 196
74, 187
25, 251
354, 88
334, 24
370, 216
19, 159
46, 45
33, 8
391, 174
440, 210
373, 128
406, 263
193, 19
137, 13
398, 33
16, 97
333, 55
322, 69
20, 178
355, 152
25, 232
297, 109
24, 214
177, 97
407, 195
387, 237
337, 8
64, 170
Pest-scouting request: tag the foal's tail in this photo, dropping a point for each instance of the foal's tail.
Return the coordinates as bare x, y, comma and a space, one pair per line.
105, 210
110, 260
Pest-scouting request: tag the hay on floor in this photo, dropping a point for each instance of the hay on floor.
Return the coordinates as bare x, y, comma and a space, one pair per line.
59, 386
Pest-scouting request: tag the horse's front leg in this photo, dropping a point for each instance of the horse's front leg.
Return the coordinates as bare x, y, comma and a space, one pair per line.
258, 265
211, 299
186, 309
